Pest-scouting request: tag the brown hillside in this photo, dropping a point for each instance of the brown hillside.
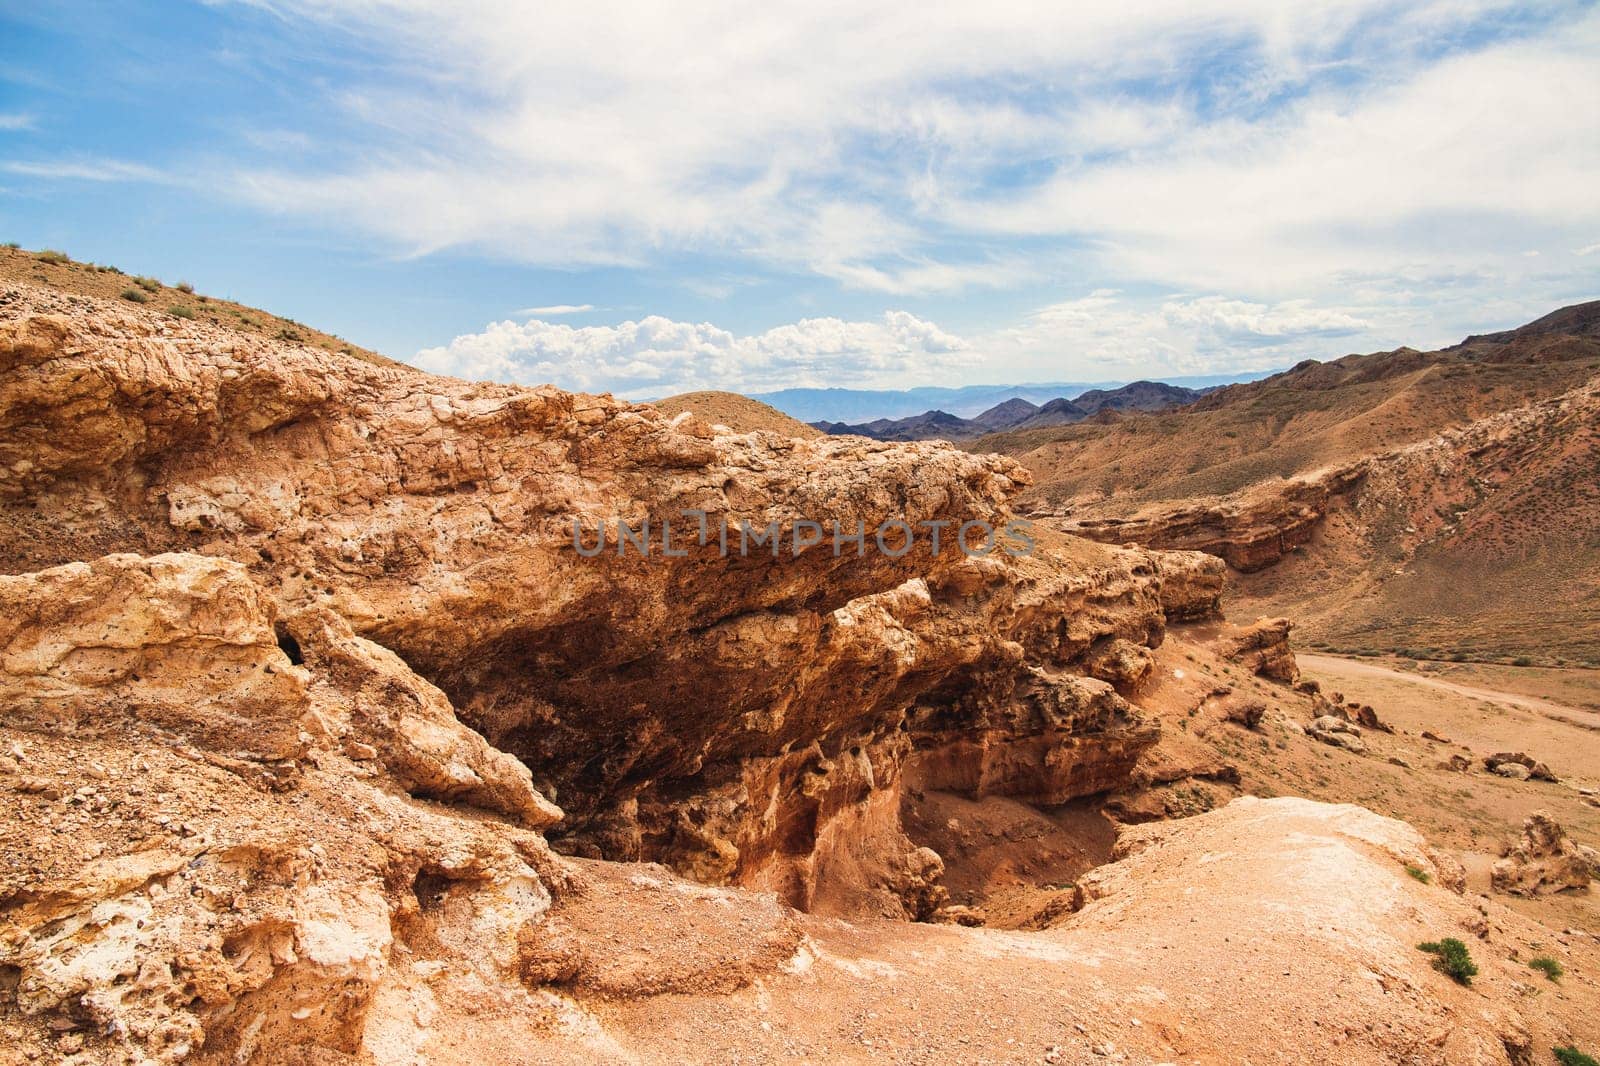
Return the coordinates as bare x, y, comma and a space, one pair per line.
63, 274
1443, 501
737, 412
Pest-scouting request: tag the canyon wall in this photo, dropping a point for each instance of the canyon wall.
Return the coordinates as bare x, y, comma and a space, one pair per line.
735, 716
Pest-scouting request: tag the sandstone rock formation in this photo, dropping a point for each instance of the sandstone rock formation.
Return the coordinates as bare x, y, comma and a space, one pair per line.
298, 659
1508, 763
1263, 647
1339, 732
1251, 530
745, 719
1544, 860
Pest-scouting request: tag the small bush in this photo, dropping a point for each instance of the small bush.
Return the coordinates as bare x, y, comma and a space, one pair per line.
53, 257
13, 245
1453, 959
287, 334
1522, 660
185, 287
1571, 1056
135, 296
1419, 874
180, 311
148, 284
1547, 966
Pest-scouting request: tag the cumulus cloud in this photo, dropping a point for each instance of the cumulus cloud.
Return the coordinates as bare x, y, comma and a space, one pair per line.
1101, 336
656, 356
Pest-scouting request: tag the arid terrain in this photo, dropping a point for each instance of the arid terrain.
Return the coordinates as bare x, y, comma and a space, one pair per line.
1440, 504
321, 743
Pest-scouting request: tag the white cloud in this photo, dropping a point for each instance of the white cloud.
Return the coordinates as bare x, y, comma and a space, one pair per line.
1240, 320
657, 356
1096, 337
85, 170
1108, 334
15, 121
554, 309
1258, 181
1448, 170
880, 152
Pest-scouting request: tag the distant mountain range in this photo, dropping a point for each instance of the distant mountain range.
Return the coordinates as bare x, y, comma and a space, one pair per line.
866, 405
1020, 413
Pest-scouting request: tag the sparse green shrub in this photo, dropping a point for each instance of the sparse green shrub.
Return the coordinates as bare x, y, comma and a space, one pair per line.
287, 334
1522, 660
148, 284
1547, 966
1419, 874
1571, 1056
1452, 959
180, 311
53, 257
185, 287
13, 245
135, 296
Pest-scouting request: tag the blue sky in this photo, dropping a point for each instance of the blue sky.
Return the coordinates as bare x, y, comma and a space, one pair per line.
654, 198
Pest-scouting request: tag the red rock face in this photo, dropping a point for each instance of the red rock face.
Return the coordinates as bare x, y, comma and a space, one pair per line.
1251, 530
718, 713
1263, 646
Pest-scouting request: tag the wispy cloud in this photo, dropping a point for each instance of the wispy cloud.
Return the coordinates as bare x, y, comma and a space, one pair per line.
85, 170
554, 309
910, 155
15, 121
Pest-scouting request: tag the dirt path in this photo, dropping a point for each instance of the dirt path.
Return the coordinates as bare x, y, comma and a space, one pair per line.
1359, 668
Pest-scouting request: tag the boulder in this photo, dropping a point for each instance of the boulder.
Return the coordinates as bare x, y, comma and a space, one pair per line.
1121, 662
1544, 860
1536, 770
1263, 647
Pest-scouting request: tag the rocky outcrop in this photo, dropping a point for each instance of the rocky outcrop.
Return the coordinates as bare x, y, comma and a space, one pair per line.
1250, 530
1518, 764
211, 845
1339, 732
1263, 648
732, 710
1544, 860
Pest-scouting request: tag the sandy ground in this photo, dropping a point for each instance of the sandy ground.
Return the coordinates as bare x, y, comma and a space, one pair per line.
1336, 666
1205, 948
1475, 813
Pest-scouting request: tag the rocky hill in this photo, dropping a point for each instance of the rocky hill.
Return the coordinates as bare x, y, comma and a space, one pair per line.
1019, 414
734, 411
325, 741
1380, 481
